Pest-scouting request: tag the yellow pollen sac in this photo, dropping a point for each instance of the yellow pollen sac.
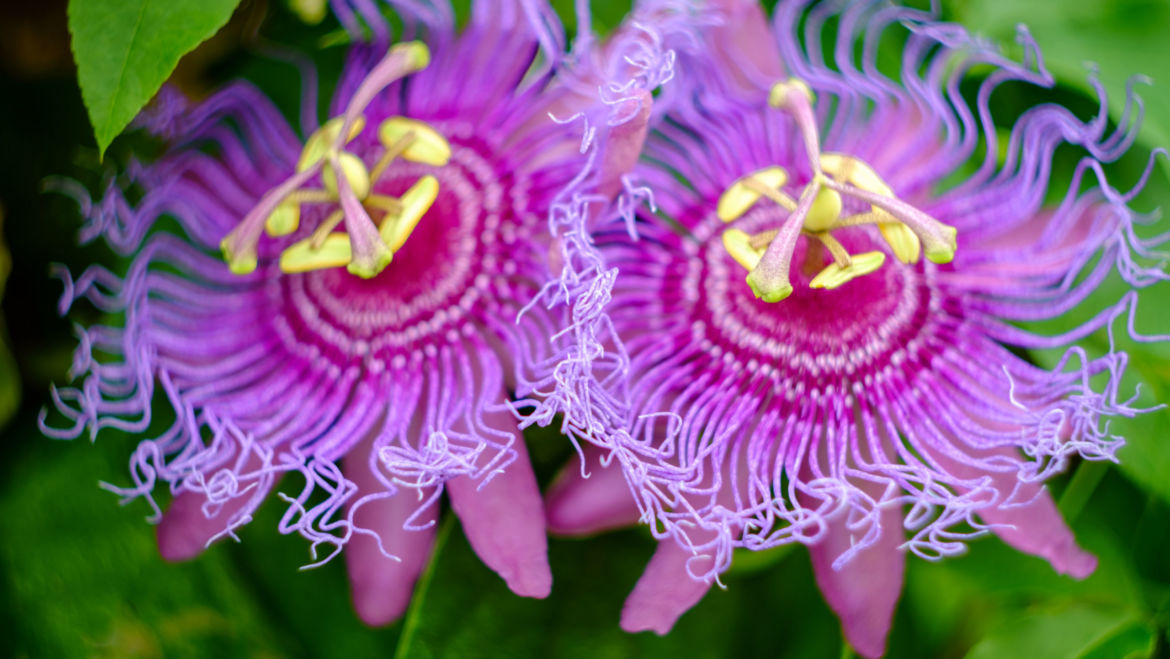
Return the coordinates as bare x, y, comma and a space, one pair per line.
285, 219
322, 139
355, 173
301, 256
426, 145
835, 275
901, 239
855, 172
779, 94
738, 245
825, 211
415, 203
847, 169
746, 191
310, 12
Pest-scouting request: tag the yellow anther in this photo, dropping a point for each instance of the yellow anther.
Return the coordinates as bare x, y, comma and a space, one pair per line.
901, 239
779, 94
861, 264
855, 172
415, 203
311, 12
746, 191
322, 139
738, 245
425, 145
285, 219
847, 169
355, 172
942, 250
418, 56
334, 252
825, 211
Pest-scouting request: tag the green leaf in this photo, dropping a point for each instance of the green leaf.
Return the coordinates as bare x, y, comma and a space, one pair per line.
1124, 38
84, 576
9, 373
9, 380
1130, 642
462, 609
1145, 458
1057, 633
125, 49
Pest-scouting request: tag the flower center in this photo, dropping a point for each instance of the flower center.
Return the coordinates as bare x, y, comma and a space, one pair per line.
376, 224
818, 211
394, 216
818, 340
468, 259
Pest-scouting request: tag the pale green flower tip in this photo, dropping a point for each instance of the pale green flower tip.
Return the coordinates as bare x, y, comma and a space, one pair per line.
768, 291
370, 270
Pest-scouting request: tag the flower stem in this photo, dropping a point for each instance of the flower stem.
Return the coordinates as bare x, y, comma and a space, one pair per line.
1084, 482
414, 614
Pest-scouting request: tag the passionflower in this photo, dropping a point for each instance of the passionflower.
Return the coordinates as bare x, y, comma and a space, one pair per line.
345, 304
816, 338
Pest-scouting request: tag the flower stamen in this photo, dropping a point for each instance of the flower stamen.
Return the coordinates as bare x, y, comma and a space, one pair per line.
415, 203
322, 232
367, 246
907, 230
836, 249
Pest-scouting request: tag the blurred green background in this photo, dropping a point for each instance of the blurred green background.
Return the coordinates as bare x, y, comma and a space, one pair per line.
80, 576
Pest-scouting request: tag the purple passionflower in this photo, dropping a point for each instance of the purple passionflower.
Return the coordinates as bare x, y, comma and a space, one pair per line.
815, 338
345, 304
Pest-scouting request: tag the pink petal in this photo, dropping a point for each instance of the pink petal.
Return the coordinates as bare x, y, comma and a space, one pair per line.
1035, 527
746, 46
865, 590
665, 591
1038, 529
623, 145
581, 506
381, 587
185, 531
504, 520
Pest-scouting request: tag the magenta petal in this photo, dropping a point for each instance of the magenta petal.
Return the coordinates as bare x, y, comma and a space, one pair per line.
665, 591
185, 531
580, 506
381, 587
504, 520
865, 590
